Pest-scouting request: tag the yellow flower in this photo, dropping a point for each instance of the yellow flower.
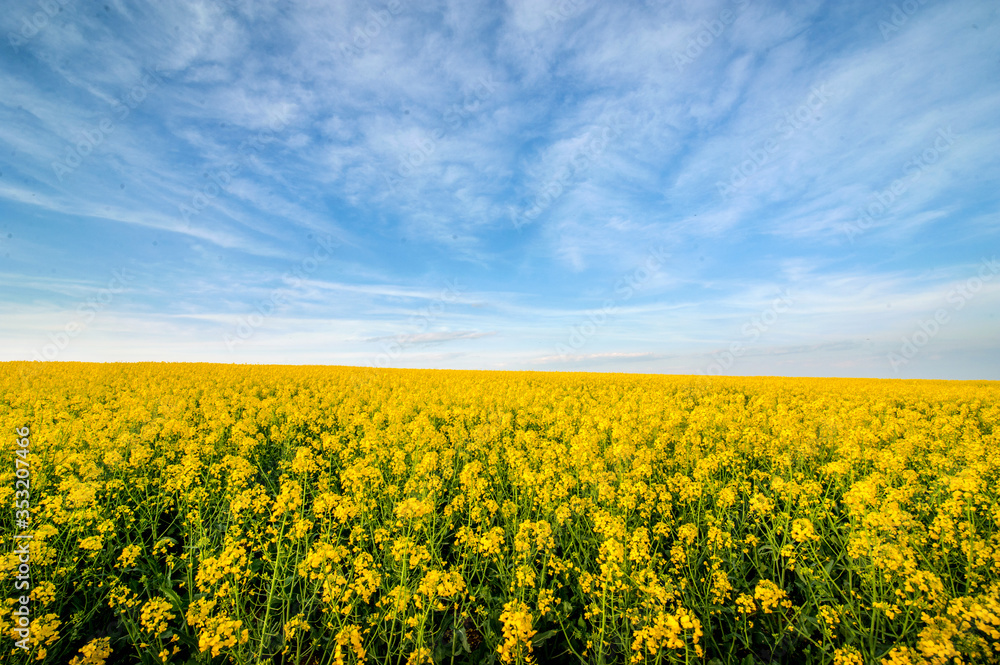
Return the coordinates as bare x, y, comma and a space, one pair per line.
802, 530
687, 533
94, 652
770, 596
350, 635
93, 544
44, 632
297, 624
902, 656
413, 509
43, 593
156, 615
517, 632
546, 599
745, 604
847, 656
669, 630
128, 556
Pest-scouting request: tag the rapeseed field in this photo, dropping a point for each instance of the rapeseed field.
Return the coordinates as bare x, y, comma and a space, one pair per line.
189, 513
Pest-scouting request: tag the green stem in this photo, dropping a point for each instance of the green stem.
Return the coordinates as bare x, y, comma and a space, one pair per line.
270, 593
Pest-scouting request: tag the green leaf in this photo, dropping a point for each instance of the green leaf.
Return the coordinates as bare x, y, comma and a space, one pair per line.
172, 596
538, 639
465, 642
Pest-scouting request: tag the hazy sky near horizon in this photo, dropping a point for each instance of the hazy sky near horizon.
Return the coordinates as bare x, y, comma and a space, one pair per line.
735, 187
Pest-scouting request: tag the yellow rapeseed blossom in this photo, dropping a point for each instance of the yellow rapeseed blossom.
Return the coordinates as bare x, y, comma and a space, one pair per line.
847, 656
803, 531
770, 596
255, 511
296, 625
94, 652
129, 555
517, 632
745, 604
44, 633
156, 615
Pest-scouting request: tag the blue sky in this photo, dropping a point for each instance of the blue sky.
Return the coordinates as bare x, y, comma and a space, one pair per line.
736, 187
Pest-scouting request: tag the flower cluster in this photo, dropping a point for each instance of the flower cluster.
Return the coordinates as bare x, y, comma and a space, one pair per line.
246, 514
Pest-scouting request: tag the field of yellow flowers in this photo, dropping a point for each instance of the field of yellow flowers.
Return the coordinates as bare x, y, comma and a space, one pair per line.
189, 513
